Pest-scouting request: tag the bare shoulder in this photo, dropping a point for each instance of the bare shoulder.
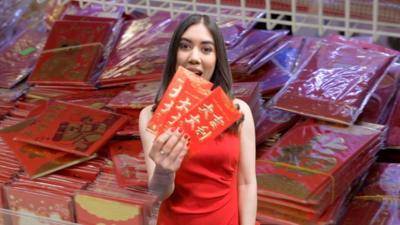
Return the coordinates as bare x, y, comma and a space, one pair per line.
146, 113
244, 107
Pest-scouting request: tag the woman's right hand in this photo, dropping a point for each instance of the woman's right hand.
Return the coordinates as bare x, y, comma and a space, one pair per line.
169, 150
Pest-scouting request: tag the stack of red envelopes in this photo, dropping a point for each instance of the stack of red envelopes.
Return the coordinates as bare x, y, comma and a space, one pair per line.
272, 122
310, 167
378, 201
189, 103
128, 162
378, 106
131, 102
392, 139
51, 197
105, 202
55, 144
9, 166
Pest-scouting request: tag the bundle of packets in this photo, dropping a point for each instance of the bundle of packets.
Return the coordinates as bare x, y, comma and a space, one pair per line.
50, 196
305, 173
188, 103
128, 163
378, 201
32, 138
104, 202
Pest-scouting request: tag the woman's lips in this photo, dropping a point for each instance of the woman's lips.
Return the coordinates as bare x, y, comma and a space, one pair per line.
195, 71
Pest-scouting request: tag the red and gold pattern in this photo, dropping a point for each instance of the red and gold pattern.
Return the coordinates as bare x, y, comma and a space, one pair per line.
209, 117
38, 161
71, 128
188, 94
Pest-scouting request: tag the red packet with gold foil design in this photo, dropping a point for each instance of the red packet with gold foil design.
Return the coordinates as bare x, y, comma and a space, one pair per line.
68, 66
38, 161
71, 128
187, 93
209, 118
187, 98
75, 33
96, 208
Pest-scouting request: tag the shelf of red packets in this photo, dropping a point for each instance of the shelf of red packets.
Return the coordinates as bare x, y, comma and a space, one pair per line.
295, 87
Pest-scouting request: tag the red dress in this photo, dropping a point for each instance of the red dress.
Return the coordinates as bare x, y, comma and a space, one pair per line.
205, 186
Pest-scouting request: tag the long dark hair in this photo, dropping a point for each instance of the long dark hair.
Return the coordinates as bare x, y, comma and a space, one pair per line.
221, 76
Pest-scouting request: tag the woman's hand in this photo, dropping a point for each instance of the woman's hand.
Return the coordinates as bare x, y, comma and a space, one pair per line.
169, 150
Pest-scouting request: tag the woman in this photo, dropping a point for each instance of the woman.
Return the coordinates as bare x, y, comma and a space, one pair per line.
217, 183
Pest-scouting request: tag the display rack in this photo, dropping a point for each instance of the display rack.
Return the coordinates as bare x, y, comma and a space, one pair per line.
372, 17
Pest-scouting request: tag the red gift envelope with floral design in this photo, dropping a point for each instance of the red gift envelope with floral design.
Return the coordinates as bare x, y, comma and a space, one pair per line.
179, 97
68, 66
209, 118
38, 161
75, 33
71, 128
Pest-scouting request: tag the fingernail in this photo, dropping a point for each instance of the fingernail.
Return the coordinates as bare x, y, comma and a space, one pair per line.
186, 136
180, 130
172, 129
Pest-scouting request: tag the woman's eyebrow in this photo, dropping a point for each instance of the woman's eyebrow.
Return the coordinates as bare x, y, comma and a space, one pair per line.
203, 42
207, 42
185, 39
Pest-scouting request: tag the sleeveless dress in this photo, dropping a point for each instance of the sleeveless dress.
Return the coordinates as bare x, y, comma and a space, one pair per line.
205, 186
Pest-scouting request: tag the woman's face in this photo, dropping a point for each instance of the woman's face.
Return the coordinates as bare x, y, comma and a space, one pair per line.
196, 51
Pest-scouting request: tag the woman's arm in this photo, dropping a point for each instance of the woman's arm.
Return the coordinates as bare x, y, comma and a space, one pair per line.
163, 155
247, 183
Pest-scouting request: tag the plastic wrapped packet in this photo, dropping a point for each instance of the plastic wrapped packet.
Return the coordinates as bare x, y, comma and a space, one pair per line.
19, 56
336, 83
140, 52
378, 201
10, 13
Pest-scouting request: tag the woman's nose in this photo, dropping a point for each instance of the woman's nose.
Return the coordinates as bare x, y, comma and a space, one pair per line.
194, 57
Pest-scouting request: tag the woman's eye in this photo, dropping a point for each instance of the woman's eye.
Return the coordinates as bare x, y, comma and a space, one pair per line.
184, 46
207, 50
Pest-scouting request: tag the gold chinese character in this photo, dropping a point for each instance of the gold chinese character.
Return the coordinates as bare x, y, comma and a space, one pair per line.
175, 91
184, 104
217, 120
193, 120
207, 109
202, 132
174, 118
168, 106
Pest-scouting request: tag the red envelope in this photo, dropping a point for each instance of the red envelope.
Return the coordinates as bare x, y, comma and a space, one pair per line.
71, 128
168, 106
209, 118
76, 33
